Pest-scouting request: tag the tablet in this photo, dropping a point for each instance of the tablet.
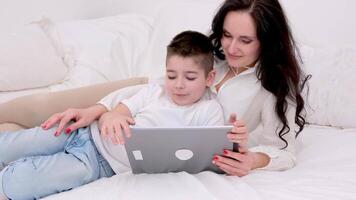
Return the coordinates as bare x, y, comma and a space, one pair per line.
163, 150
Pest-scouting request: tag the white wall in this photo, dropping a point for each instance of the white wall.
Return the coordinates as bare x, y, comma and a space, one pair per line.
315, 22
18, 12
323, 22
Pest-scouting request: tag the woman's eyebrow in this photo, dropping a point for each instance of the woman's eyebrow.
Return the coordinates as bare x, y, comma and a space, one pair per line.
241, 36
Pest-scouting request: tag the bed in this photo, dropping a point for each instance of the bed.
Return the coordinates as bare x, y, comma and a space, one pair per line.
325, 170
108, 49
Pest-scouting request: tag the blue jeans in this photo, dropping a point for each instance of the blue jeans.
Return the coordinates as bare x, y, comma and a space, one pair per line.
39, 164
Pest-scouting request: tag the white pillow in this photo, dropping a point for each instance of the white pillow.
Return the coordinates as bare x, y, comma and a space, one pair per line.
28, 60
332, 93
172, 18
103, 49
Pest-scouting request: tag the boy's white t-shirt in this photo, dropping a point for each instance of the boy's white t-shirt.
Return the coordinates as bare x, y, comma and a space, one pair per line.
151, 107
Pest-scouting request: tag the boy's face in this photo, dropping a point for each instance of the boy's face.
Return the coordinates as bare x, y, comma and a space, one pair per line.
185, 80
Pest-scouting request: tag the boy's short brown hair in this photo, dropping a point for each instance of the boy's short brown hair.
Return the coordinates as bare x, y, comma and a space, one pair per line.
193, 44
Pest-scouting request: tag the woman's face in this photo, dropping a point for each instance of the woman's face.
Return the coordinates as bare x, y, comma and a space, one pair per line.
239, 41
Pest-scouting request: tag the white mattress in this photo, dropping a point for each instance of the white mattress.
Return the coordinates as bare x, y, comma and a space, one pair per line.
326, 169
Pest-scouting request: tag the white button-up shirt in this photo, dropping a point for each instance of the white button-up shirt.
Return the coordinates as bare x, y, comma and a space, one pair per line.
245, 96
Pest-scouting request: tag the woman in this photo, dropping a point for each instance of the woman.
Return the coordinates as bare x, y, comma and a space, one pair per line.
258, 77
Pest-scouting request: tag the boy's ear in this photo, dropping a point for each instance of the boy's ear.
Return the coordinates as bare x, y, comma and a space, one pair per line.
210, 78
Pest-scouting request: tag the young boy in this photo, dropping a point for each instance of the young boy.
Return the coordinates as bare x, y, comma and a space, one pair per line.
40, 164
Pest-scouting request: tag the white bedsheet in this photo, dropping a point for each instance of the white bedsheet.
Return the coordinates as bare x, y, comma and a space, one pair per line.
326, 169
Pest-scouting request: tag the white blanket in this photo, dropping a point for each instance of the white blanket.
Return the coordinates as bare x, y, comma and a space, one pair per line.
175, 186
326, 169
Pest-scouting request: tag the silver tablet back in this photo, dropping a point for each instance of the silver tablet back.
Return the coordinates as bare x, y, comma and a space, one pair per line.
163, 150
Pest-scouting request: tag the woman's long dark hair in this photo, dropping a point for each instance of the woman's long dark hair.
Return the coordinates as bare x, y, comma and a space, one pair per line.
278, 69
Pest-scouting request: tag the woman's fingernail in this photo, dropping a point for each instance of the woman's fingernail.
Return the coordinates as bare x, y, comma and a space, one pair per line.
56, 133
68, 130
225, 152
216, 158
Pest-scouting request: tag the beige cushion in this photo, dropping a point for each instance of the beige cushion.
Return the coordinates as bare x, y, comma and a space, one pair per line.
10, 127
32, 110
